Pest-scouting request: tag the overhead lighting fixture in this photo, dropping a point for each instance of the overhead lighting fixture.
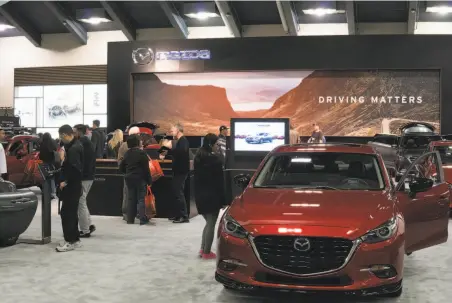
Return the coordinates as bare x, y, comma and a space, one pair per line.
92, 16
4, 27
202, 15
322, 11
439, 9
95, 20
200, 10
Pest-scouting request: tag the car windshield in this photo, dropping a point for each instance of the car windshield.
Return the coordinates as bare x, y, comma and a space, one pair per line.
446, 153
319, 170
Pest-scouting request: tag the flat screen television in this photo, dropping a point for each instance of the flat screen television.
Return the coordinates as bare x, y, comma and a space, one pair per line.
258, 135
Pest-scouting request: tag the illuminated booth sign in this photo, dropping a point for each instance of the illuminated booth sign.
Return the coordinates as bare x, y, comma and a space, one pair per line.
143, 56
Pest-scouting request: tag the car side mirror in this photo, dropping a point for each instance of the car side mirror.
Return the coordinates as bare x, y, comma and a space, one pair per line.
242, 180
418, 185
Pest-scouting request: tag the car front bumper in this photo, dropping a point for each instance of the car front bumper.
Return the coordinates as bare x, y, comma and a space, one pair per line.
354, 278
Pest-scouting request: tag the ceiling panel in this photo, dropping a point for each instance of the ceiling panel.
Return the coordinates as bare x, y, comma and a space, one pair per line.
39, 16
146, 14
381, 11
256, 12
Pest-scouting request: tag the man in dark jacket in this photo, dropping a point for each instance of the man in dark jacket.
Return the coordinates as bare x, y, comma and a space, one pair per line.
71, 188
89, 169
180, 151
135, 167
98, 140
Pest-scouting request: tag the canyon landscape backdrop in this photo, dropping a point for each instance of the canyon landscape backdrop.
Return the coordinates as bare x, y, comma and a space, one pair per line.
204, 101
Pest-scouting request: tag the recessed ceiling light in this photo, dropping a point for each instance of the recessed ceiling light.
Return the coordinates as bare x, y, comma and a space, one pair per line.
439, 9
202, 15
322, 11
95, 20
4, 27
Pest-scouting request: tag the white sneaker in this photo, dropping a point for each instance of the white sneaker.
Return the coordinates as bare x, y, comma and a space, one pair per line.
64, 247
77, 244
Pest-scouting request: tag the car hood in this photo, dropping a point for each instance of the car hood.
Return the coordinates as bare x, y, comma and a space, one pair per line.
350, 212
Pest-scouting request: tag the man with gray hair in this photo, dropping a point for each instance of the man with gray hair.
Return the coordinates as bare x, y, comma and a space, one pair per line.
180, 150
123, 148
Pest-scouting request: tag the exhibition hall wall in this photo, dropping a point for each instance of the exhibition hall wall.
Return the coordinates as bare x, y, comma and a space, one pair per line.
46, 108
344, 103
65, 50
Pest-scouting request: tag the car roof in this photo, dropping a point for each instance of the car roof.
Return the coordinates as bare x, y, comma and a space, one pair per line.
352, 148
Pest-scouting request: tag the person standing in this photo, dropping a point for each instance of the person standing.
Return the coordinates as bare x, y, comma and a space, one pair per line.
180, 151
123, 148
114, 144
3, 165
47, 154
71, 188
317, 135
89, 169
98, 140
209, 191
294, 135
135, 167
222, 143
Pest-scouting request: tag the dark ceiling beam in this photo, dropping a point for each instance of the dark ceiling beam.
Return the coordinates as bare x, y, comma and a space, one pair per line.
230, 18
24, 27
351, 17
413, 13
289, 17
73, 26
121, 19
174, 17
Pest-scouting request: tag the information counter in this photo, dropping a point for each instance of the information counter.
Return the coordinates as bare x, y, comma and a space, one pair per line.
105, 196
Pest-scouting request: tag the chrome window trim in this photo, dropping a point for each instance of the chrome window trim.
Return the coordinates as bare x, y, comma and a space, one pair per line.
355, 246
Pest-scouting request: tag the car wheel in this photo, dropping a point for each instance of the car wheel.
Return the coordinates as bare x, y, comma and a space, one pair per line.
8, 242
394, 294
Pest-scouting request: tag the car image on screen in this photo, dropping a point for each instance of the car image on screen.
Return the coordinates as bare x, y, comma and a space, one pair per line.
259, 138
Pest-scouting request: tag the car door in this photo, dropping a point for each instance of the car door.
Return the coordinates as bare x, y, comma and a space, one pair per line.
426, 213
15, 161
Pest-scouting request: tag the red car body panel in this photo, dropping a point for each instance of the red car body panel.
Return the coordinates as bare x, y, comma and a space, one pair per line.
447, 168
333, 215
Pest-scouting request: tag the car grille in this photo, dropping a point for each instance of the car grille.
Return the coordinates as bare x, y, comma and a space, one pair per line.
325, 254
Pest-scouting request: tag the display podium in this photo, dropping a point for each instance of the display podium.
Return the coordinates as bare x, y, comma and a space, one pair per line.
47, 173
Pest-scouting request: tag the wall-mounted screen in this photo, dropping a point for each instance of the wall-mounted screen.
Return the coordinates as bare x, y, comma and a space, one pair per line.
95, 99
25, 108
343, 103
258, 136
63, 104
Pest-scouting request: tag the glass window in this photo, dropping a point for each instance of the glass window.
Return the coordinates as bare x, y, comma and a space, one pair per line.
342, 171
445, 152
28, 91
95, 99
52, 131
25, 108
63, 104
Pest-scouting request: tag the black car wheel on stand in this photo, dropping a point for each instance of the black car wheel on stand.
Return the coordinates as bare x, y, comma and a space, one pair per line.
17, 210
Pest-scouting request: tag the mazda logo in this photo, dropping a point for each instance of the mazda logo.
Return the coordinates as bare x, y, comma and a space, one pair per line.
302, 244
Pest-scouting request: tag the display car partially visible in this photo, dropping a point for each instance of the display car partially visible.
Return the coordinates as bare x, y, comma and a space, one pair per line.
329, 218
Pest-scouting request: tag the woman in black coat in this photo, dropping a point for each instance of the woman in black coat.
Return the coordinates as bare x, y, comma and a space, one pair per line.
47, 149
209, 191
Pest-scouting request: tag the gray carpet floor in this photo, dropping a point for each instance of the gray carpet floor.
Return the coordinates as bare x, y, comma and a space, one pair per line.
132, 263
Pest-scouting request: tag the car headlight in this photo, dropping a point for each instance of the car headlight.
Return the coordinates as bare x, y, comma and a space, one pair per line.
233, 228
381, 233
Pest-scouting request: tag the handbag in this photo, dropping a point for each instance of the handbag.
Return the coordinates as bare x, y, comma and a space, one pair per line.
156, 170
149, 201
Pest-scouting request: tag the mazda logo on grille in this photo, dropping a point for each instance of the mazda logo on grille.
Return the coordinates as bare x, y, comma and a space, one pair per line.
302, 244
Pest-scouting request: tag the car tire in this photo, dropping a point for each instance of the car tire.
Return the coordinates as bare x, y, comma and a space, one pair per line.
8, 242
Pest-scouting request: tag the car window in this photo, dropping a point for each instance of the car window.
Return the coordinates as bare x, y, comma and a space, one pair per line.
348, 171
426, 167
445, 152
15, 147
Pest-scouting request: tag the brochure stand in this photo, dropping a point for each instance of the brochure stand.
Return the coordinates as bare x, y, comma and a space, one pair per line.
46, 206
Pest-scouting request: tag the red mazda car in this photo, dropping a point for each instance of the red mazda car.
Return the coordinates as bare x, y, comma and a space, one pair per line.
327, 217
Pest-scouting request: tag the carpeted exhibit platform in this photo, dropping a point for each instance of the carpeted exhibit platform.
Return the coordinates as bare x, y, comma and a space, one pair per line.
132, 263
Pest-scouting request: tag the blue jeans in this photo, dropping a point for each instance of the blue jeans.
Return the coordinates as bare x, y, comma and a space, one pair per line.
136, 191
